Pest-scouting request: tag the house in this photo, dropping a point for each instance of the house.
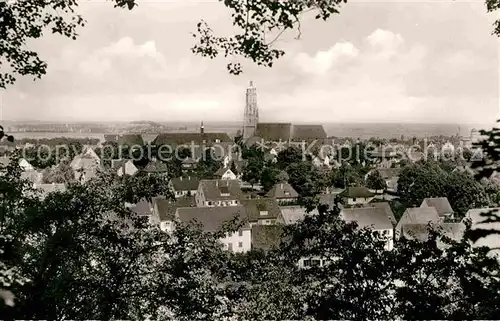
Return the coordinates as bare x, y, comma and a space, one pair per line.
184, 186
284, 193
142, 208
357, 195
261, 211
286, 132
174, 140
225, 173
477, 219
417, 215
45, 189
390, 176
156, 167
25, 165
387, 208
213, 218
33, 176
441, 204
164, 210
189, 163
85, 166
375, 218
124, 167
383, 157
420, 231
292, 214
133, 141
218, 193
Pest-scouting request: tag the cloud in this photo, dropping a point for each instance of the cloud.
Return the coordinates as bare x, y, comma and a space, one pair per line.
401, 62
322, 61
385, 39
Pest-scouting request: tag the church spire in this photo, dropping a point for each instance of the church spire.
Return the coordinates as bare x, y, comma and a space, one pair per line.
251, 114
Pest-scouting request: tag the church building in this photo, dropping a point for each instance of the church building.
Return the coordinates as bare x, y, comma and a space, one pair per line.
254, 131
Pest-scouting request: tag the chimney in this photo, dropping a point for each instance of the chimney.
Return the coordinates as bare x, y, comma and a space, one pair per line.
281, 186
189, 178
181, 178
217, 183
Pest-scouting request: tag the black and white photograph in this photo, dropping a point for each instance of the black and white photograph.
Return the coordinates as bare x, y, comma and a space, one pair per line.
241, 160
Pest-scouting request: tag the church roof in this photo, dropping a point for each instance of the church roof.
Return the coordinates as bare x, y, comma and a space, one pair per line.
274, 131
307, 132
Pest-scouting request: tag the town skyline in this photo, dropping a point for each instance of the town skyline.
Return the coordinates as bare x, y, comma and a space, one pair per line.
414, 63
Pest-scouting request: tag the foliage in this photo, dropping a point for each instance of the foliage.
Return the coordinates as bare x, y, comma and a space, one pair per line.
304, 178
145, 186
253, 170
289, 156
23, 21
347, 175
375, 181
269, 177
208, 164
429, 180
62, 173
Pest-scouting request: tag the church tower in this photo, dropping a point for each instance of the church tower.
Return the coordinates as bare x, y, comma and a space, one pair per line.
251, 116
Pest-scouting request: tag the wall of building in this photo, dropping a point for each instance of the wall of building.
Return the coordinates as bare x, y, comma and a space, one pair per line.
240, 241
359, 200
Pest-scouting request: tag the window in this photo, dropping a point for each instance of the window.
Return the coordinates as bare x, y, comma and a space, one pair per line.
287, 193
209, 203
354, 199
307, 263
240, 233
315, 262
230, 246
240, 244
262, 213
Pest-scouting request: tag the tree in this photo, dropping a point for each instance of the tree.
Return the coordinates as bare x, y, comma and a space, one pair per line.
23, 21
269, 178
375, 181
62, 173
429, 180
304, 178
286, 157
252, 172
208, 164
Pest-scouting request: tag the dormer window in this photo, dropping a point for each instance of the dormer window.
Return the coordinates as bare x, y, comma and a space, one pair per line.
217, 140
263, 213
287, 193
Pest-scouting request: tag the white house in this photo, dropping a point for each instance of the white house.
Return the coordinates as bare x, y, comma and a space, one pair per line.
375, 218
184, 186
212, 219
125, 167
225, 173
218, 193
25, 165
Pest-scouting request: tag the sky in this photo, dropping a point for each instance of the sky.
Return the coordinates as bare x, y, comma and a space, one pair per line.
377, 61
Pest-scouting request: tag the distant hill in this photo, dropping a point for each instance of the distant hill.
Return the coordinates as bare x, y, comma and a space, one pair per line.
145, 122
